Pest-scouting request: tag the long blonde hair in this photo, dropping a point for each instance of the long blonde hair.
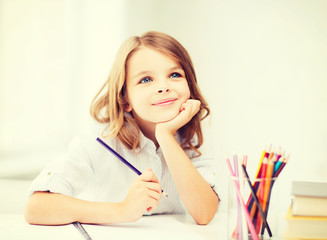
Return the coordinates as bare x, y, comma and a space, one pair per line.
109, 107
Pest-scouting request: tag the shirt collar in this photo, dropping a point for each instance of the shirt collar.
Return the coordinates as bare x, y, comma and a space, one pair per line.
145, 141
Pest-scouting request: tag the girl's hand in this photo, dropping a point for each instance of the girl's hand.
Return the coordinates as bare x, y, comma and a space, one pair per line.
143, 195
187, 111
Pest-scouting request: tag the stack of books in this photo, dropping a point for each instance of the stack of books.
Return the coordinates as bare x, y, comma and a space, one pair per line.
307, 215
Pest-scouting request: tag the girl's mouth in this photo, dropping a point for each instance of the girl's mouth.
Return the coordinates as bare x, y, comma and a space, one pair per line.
165, 102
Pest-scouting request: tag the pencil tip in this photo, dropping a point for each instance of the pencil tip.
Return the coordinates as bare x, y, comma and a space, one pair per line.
163, 192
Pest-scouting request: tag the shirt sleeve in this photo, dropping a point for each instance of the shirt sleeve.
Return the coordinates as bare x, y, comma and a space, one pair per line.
207, 168
68, 175
206, 163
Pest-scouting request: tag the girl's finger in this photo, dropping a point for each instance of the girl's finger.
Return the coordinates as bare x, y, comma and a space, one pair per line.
153, 187
148, 176
155, 195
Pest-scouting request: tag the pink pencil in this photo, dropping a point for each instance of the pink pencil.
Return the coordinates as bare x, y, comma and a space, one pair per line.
247, 215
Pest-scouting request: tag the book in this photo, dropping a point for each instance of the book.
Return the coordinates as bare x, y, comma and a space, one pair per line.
309, 198
309, 206
309, 189
304, 227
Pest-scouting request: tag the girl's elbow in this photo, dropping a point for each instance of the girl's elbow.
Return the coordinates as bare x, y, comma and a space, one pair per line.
202, 222
30, 215
29, 219
205, 218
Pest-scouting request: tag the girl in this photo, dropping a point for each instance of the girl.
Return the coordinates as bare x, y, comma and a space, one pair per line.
150, 113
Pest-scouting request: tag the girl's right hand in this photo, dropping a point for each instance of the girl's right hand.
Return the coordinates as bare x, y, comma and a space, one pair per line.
143, 195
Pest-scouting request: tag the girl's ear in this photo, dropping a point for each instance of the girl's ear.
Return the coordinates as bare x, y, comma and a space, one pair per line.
123, 102
127, 107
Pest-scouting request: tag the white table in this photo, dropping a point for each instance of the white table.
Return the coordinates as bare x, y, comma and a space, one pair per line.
13, 197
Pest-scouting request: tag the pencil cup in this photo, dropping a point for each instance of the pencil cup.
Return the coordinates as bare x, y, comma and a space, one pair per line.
252, 216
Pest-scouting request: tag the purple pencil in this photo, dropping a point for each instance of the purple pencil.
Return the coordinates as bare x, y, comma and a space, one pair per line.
123, 160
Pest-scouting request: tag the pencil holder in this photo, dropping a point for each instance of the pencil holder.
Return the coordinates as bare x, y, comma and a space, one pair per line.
252, 208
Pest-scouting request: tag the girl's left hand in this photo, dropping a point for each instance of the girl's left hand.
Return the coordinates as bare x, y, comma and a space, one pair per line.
187, 111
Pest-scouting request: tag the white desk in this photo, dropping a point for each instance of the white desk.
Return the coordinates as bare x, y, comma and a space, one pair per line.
14, 227
13, 197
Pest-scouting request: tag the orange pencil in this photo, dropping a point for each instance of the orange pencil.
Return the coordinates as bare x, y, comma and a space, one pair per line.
266, 185
269, 173
271, 155
260, 190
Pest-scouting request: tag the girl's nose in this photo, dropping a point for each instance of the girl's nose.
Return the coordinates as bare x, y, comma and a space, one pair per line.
163, 90
162, 85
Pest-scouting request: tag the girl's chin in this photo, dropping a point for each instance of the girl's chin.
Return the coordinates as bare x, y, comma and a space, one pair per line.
166, 118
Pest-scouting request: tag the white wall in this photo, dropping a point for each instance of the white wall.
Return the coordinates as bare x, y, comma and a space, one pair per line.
260, 64
262, 67
54, 56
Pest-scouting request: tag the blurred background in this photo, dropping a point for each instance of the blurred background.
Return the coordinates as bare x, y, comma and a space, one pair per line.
260, 64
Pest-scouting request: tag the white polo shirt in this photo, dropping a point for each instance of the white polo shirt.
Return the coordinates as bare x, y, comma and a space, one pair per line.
89, 171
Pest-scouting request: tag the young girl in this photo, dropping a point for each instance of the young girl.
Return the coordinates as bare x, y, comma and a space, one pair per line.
150, 113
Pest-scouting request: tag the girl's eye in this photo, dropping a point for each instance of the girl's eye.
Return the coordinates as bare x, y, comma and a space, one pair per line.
175, 75
145, 80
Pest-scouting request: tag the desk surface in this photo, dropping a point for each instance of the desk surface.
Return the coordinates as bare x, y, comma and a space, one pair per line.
13, 197
14, 227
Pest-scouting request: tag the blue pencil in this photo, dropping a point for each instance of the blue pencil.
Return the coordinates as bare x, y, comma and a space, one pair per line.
123, 160
81, 229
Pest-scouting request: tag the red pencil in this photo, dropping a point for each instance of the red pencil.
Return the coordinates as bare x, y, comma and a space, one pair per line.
285, 160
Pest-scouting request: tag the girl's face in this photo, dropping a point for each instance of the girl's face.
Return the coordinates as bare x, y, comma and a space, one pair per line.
156, 86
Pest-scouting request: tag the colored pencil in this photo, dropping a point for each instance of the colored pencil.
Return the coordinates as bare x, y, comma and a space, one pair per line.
278, 163
257, 202
279, 153
285, 160
123, 160
266, 187
81, 229
269, 173
239, 213
260, 163
244, 232
251, 204
248, 218
245, 160
272, 184
270, 166
260, 190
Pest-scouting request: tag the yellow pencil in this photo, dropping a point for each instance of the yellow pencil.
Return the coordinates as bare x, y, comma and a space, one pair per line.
260, 163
